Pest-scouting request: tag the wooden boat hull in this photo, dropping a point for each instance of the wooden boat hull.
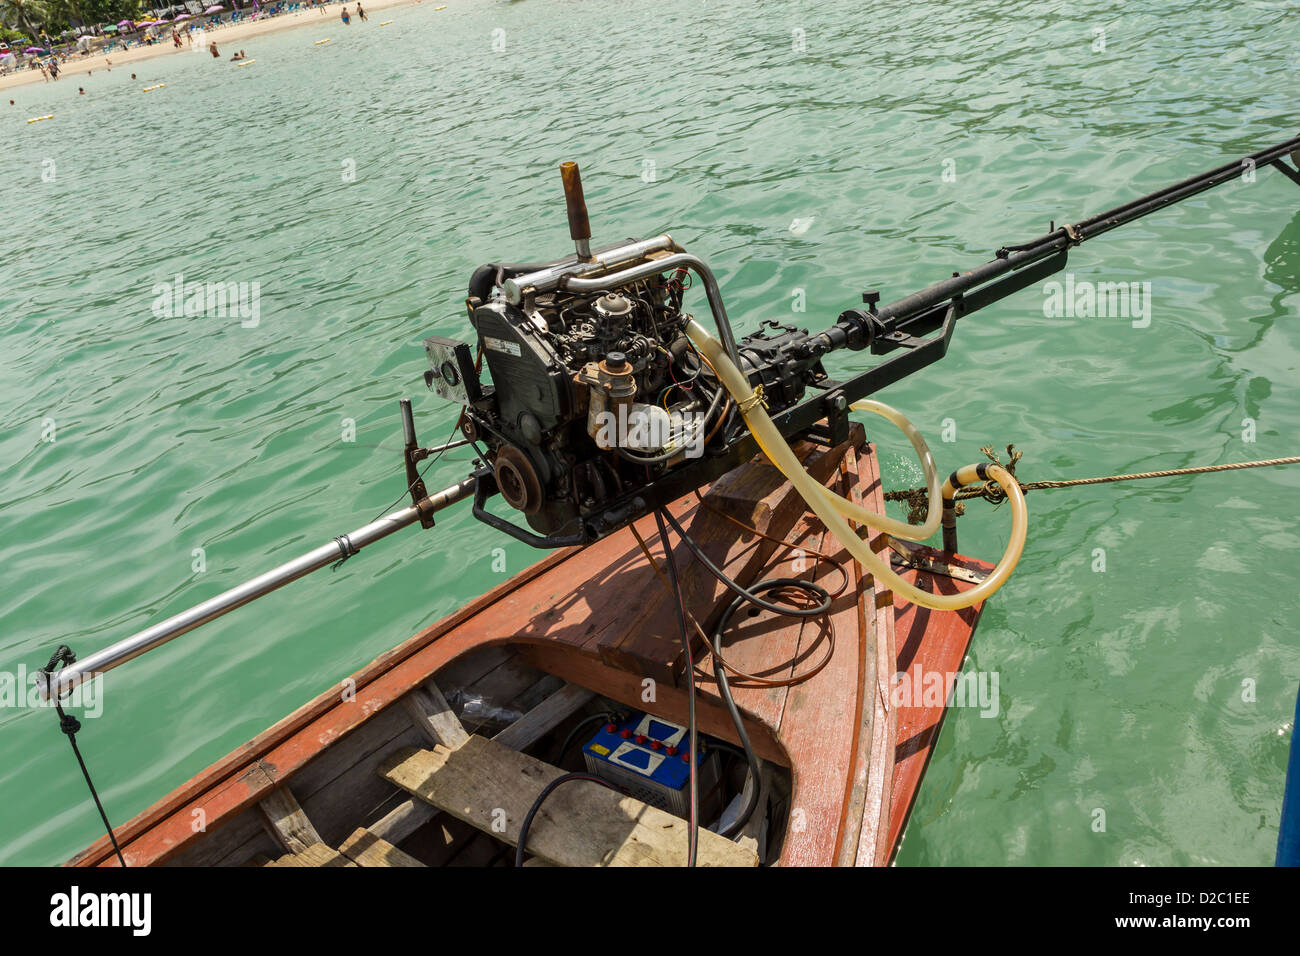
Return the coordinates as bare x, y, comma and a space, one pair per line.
600, 620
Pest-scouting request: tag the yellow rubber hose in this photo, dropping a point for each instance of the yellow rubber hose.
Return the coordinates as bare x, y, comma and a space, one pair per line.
829, 506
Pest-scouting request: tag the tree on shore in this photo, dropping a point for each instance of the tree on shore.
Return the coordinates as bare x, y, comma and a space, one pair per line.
28, 15
56, 16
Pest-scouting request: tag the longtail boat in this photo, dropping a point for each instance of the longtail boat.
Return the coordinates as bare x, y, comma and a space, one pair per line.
736, 693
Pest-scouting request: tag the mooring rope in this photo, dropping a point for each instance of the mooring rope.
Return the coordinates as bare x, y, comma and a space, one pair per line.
70, 725
991, 491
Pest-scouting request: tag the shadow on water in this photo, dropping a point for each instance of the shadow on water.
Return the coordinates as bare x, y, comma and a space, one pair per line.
1282, 259
1282, 268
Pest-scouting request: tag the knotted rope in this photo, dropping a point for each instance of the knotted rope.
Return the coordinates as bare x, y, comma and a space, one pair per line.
916, 498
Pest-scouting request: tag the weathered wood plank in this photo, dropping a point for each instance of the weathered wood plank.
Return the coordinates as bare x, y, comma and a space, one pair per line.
365, 849
582, 823
880, 730
318, 854
403, 820
409, 815
544, 718
287, 821
430, 712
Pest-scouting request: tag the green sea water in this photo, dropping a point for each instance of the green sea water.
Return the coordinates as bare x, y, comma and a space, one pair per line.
1144, 709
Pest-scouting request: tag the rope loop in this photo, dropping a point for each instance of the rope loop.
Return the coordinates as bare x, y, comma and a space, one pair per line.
346, 548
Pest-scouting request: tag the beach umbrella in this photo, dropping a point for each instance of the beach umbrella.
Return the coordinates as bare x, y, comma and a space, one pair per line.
35, 49
110, 29
125, 23
183, 16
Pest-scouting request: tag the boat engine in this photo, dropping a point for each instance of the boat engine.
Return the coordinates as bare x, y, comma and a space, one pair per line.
583, 386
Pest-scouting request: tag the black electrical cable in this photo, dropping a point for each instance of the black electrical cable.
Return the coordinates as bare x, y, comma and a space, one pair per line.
693, 750
724, 691
813, 611
541, 798
577, 729
743, 596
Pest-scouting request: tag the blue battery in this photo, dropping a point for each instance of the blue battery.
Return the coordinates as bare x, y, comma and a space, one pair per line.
645, 755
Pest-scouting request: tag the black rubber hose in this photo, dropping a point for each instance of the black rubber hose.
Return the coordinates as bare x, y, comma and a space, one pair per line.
541, 798
577, 729
724, 691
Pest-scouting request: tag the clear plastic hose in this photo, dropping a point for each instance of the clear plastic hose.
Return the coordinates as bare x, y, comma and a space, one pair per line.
899, 529
829, 506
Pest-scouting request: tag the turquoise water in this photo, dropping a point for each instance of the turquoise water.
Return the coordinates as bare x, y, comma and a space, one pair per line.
1120, 690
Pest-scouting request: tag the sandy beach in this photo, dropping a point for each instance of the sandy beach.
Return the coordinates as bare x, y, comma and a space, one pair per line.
231, 34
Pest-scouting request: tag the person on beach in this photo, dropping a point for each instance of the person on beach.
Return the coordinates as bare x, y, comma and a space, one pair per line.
361, 13
346, 19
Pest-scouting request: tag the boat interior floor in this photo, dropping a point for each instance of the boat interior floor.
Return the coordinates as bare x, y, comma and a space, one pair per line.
447, 779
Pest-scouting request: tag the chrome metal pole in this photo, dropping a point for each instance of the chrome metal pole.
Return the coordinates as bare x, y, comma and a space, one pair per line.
548, 279
343, 546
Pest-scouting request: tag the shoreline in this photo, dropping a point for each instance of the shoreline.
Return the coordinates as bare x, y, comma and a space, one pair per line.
230, 34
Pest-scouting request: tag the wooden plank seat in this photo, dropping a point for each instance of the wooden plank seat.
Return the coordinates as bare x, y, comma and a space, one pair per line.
582, 823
